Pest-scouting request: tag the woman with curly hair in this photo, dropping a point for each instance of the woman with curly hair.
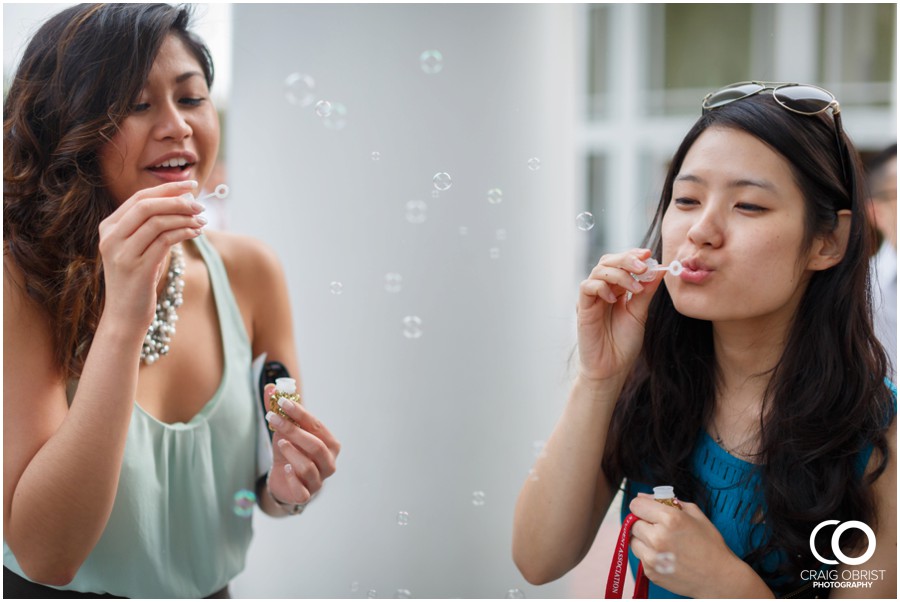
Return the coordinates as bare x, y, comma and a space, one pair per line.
125, 443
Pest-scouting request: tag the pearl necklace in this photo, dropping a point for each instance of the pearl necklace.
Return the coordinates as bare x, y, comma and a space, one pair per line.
156, 343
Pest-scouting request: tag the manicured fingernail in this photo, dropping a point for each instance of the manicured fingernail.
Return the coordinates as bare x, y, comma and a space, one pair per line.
201, 220
274, 419
286, 404
189, 184
283, 443
288, 468
638, 287
638, 264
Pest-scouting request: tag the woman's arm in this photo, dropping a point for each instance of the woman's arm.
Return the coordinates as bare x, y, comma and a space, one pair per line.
882, 566
61, 464
563, 503
261, 289
560, 508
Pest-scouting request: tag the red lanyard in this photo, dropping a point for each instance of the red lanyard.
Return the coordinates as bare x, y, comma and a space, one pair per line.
620, 560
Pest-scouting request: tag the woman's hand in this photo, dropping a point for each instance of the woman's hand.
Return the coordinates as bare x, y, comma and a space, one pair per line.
610, 327
683, 552
135, 241
304, 454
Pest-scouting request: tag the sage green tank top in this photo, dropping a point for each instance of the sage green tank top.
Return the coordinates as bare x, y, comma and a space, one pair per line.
180, 526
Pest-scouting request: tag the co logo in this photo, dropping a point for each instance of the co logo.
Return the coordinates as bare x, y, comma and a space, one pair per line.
835, 538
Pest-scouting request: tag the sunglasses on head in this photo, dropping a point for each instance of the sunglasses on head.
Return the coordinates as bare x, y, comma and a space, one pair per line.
804, 99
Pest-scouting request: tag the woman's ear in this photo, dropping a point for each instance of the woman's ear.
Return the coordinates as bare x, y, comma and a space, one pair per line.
828, 249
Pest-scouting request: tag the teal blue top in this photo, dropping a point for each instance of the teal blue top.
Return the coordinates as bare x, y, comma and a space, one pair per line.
735, 496
174, 531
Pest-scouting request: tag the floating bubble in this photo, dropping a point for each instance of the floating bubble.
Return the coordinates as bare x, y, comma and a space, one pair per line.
403, 518
412, 327
478, 498
432, 61
371, 594
534, 164
403, 594
501, 234
494, 252
514, 593
495, 196
337, 288
665, 563
532, 475
442, 181
463, 230
537, 448
354, 586
393, 282
323, 108
298, 89
416, 212
584, 221
337, 118
376, 156
244, 500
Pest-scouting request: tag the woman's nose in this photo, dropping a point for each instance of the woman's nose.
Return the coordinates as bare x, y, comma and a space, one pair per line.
708, 230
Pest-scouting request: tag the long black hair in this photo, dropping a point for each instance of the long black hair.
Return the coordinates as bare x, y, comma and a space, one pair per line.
826, 400
77, 81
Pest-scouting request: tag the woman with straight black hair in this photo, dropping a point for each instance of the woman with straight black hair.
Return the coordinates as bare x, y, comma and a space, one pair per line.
130, 450
750, 380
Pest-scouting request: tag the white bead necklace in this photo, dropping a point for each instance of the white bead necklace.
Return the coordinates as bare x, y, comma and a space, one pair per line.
156, 343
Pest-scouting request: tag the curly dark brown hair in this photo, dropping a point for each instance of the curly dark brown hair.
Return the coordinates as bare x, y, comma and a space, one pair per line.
77, 81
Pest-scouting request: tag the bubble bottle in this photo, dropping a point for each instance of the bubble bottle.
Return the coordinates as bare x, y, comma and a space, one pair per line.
285, 388
665, 494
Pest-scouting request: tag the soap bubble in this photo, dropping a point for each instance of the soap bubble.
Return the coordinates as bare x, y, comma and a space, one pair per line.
534, 164
376, 156
532, 475
442, 181
337, 288
494, 252
298, 89
371, 594
403, 518
463, 230
323, 108
416, 212
584, 221
665, 563
354, 586
537, 449
244, 500
393, 282
337, 117
412, 327
403, 594
432, 61
478, 498
495, 196
514, 593
501, 234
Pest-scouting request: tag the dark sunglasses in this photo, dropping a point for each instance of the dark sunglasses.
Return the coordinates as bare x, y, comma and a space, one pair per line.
804, 99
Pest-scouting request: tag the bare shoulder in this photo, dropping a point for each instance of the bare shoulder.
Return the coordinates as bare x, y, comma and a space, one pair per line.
248, 260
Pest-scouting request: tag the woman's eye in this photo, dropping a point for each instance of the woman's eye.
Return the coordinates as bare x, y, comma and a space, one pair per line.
192, 102
750, 207
685, 202
140, 107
